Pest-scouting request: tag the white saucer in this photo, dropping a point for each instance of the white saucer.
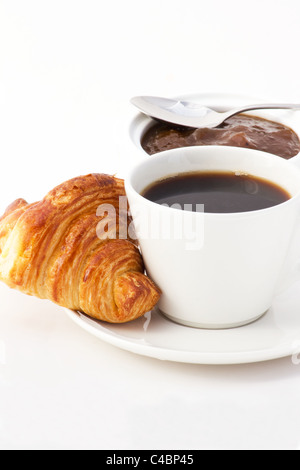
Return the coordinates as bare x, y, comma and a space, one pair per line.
275, 335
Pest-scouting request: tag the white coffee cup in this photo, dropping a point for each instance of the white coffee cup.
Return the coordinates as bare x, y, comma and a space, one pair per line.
215, 270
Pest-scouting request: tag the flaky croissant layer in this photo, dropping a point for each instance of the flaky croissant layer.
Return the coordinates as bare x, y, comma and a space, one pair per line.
51, 250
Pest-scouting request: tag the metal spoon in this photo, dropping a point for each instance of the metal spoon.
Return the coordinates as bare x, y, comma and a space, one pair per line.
185, 113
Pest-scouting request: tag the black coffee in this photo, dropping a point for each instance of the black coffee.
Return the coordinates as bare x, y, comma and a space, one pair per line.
220, 192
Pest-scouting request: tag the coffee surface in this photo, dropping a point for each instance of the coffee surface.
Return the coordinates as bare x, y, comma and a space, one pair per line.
219, 192
238, 131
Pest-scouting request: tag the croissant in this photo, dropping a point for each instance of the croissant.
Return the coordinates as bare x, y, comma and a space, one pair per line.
54, 249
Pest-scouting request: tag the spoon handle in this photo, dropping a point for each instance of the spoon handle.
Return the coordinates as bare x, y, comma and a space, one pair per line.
253, 107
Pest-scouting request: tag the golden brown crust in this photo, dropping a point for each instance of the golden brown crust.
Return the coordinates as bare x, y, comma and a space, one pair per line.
51, 249
132, 291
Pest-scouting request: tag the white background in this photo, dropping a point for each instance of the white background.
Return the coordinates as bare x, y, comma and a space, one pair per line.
67, 71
